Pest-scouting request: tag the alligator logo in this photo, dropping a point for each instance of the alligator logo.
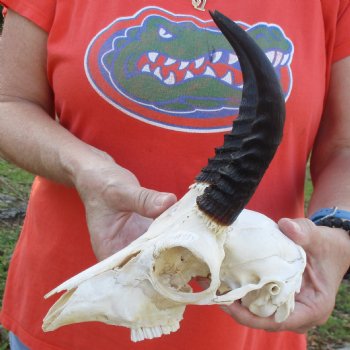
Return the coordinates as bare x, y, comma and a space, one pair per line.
177, 71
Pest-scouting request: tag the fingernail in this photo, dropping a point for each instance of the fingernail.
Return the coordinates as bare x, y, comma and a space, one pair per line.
295, 226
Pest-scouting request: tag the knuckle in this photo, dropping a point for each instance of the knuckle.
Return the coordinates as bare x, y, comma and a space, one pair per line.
142, 200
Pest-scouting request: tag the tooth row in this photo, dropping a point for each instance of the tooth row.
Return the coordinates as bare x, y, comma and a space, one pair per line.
277, 58
215, 57
171, 79
142, 333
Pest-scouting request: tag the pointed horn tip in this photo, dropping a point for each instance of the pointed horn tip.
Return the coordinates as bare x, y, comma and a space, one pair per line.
217, 16
215, 13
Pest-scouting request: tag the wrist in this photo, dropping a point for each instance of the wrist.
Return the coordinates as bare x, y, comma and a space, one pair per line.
79, 159
334, 218
97, 177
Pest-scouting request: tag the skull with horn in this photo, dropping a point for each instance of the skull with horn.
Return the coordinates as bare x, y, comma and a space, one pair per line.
208, 233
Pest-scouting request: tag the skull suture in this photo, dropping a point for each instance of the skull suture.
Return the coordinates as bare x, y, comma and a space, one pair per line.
145, 286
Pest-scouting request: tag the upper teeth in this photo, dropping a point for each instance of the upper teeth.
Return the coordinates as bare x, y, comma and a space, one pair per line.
275, 57
183, 65
152, 56
232, 58
169, 61
217, 55
199, 62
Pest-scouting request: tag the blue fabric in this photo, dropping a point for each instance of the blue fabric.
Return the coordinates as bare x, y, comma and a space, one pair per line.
15, 343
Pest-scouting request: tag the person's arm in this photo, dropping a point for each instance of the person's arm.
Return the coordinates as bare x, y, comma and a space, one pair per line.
30, 137
327, 249
330, 162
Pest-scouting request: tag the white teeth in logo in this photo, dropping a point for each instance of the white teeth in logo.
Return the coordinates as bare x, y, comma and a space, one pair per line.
285, 59
199, 62
146, 68
169, 62
227, 78
157, 73
153, 56
275, 57
188, 75
232, 59
183, 65
209, 72
278, 58
271, 56
171, 79
216, 56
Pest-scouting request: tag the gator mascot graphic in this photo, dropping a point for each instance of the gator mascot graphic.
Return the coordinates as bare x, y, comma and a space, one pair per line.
177, 71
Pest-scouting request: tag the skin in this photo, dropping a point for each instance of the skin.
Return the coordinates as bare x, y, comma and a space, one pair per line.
118, 209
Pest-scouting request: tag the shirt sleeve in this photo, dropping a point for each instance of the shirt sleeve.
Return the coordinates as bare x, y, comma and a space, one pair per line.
40, 12
342, 38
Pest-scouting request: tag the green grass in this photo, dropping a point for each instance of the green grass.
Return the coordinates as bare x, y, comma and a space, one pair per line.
16, 183
308, 187
336, 331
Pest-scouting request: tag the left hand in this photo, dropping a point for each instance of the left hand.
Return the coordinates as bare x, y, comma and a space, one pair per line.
118, 210
328, 258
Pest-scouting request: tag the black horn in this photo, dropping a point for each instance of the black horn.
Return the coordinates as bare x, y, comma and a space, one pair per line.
239, 165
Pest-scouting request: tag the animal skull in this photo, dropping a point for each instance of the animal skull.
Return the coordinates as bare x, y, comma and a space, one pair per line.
145, 286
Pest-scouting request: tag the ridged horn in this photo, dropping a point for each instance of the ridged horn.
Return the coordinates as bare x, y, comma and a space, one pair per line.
239, 165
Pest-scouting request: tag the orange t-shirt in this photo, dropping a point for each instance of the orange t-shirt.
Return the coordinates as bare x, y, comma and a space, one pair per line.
154, 84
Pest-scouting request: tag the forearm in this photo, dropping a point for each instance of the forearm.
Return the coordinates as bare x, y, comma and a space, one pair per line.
31, 139
331, 184
330, 164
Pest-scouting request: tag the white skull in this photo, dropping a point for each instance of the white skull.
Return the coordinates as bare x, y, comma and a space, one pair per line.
145, 285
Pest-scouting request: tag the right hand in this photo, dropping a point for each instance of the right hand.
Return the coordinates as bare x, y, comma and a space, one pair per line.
328, 258
118, 209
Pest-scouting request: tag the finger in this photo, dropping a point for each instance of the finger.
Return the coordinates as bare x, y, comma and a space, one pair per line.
302, 231
244, 317
151, 203
299, 321
306, 234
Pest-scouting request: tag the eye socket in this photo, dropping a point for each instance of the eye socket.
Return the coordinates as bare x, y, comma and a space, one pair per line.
164, 33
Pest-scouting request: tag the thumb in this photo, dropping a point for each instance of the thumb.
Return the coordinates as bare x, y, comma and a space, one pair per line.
301, 231
151, 203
